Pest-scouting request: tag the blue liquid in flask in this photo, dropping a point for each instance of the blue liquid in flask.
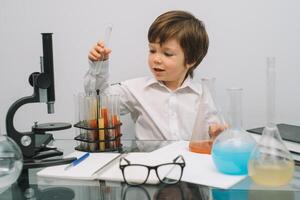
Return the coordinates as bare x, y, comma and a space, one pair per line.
231, 156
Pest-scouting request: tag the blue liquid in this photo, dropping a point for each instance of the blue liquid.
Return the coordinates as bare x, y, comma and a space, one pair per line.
231, 157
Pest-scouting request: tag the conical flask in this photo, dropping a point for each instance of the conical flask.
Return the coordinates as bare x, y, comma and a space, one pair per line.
271, 163
232, 148
201, 142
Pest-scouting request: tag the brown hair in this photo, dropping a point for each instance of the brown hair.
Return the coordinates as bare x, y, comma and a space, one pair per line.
187, 30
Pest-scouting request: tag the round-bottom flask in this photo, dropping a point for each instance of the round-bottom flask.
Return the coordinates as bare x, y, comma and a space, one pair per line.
11, 161
232, 148
271, 163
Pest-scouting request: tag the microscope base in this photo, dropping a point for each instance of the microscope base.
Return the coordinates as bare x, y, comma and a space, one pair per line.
44, 153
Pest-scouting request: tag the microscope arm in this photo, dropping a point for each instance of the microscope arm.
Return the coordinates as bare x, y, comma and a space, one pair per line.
25, 140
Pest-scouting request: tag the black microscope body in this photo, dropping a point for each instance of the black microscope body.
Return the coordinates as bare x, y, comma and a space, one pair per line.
33, 144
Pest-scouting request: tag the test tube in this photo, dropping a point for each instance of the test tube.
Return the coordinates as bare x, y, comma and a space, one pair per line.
115, 119
104, 111
107, 34
77, 113
101, 124
81, 118
91, 105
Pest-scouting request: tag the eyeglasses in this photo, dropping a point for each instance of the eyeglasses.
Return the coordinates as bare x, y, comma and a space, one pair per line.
137, 174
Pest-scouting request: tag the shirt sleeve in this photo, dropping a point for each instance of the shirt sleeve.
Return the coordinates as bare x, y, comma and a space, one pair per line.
97, 76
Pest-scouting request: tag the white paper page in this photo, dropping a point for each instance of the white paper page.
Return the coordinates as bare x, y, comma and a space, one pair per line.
82, 171
200, 168
114, 173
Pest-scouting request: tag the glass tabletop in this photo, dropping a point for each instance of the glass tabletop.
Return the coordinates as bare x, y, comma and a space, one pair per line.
32, 187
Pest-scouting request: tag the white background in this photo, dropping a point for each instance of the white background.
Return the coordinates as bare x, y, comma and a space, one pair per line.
242, 34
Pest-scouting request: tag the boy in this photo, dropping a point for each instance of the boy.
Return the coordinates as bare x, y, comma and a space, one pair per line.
163, 107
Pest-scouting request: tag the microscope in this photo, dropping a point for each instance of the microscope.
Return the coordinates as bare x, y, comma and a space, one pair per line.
34, 144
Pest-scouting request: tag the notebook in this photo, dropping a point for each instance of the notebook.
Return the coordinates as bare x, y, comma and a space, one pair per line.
288, 132
95, 166
86, 170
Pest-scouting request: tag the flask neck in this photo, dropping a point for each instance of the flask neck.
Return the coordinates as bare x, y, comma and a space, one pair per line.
235, 108
209, 86
271, 77
209, 83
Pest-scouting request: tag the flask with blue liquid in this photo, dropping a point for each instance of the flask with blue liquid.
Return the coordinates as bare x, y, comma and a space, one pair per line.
232, 148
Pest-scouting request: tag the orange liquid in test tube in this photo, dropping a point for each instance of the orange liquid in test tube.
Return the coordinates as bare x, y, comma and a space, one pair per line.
201, 146
104, 115
115, 122
92, 135
101, 134
92, 123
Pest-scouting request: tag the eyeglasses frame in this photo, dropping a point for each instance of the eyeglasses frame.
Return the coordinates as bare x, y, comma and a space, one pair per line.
123, 166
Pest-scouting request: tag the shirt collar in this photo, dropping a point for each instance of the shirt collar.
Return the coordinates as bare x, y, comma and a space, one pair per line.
189, 83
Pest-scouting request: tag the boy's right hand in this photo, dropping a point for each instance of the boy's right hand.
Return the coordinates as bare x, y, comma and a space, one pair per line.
99, 52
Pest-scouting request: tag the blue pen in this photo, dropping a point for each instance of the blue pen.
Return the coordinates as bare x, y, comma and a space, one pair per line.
77, 161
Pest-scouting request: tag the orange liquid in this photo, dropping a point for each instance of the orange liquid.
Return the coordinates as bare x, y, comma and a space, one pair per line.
92, 123
201, 146
104, 115
115, 121
101, 134
93, 135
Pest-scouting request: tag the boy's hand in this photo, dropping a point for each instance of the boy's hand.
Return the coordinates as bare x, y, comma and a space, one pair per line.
215, 129
99, 52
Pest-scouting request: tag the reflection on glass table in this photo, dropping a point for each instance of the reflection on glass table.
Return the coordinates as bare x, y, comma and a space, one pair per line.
32, 188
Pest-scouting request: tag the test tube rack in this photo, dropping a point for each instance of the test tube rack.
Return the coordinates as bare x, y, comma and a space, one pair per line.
112, 141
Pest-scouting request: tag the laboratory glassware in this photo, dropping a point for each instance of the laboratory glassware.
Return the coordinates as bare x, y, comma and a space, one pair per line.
232, 148
11, 161
271, 163
106, 41
98, 120
201, 141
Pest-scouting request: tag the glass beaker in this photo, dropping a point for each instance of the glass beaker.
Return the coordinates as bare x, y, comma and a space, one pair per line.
271, 163
201, 141
232, 148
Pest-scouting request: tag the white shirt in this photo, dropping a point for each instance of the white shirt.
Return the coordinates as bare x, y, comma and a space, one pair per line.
158, 112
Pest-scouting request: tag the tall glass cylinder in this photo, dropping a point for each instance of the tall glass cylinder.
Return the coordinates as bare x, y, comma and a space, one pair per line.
271, 163
231, 149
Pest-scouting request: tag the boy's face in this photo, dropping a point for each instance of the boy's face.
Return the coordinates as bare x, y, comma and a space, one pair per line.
167, 63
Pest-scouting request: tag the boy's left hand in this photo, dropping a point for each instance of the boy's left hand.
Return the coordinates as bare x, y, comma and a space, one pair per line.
215, 129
